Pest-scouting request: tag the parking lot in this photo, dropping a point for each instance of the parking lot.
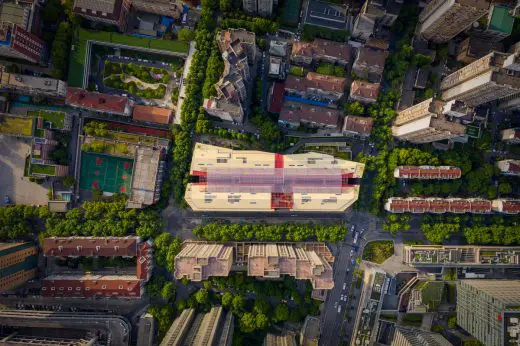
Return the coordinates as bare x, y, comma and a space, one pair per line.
326, 15
20, 190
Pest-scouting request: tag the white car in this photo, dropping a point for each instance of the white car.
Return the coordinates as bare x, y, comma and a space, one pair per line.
339, 309
353, 228
352, 252
335, 305
344, 285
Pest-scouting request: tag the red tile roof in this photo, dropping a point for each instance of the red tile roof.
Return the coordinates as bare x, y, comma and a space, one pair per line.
298, 112
91, 246
364, 89
371, 57
362, 125
85, 286
316, 81
438, 205
96, 101
428, 172
511, 206
152, 114
276, 102
340, 51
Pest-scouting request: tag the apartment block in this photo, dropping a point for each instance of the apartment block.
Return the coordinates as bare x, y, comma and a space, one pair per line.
427, 172
246, 180
316, 87
441, 20
18, 264
71, 284
357, 126
438, 205
488, 310
109, 12
509, 167
474, 48
511, 135
461, 256
426, 122
16, 42
25, 84
493, 77
319, 50
374, 14
415, 337
364, 92
198, 261
263, 8
294, 114
238, 50
494, 27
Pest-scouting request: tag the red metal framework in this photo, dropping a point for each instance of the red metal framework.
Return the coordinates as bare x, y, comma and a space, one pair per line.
282, 200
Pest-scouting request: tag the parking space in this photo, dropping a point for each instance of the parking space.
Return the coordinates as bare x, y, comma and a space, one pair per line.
327, 15
13, 184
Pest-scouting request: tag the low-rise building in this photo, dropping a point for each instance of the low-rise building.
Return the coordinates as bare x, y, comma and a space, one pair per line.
247, 180
18, 264
225, 110
370, 64
364, 92
496, 26
427, 172
25, 84
279, 340
276, 96
16, 42
198, 261
416, 205
163, 7
278, 48
294, 114
474, 48
509, 167
375, 14
511, 135
413, 336
358, 126
97, 102
153, 115
93, 284
506, 206
319, 50
316, 87
276, 68
109, 12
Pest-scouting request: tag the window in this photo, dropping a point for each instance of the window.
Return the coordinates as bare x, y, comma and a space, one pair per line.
44, 288
120, 287
70, 288
87, 288
78, 288
62, 288
104, 286
53, 288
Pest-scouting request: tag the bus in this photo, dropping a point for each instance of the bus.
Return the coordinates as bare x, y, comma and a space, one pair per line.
356, 235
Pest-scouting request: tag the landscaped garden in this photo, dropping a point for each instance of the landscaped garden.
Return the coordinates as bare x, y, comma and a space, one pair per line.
57, 119
109, 147
16, 125
100, 129
43, 169
378, 251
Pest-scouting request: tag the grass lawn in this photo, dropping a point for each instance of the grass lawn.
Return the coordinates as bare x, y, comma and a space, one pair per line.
39, 133
56, 118
43, 169
297, 71
432, 293
16, 125
378, 251
81, 36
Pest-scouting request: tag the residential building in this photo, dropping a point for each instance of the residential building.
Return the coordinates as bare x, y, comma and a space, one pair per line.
18, 264
414, 337
109, 12
461, 256
441, 20
474, 48
488, 310
153, 115
25, 84
16, 42
319, 50
316, 87
310, 332
438, 205
510, 103
21, 13
278, 48
425, 123
263, 8
427, 172
363, 27
357, 126
279, 340
509, 167
247, 180
493, 77
364, 92
198, 261
238, 50
494, 27
294, 114
276, 68
97, 102
162, 7
375, 14
511, 135
506, 206
204, 329
370, 64
98, 284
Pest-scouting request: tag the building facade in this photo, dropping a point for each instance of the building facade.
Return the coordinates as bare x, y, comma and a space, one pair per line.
416, 337
441, 20
25, 84
263, 8
246, 180
370, 64
425, 122
17, 43
487, 308
109, 12
493, 77
18, 264
511, 135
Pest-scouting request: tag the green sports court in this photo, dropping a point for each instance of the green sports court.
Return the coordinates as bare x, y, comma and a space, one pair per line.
108, 173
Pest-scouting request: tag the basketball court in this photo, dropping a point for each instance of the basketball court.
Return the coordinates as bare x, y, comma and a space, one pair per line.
108, 173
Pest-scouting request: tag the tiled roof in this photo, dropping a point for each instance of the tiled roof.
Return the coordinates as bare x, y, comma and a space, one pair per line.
511, 206
91, 246
427, 172
297, 112
340, 51
316, 81
90, 286
371, 57
377, 43
152, 114
92, 100
438, 205
364, 89
362, 125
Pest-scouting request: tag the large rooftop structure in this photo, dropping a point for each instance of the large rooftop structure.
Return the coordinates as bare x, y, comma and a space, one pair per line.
321, 51
241, 180
155, 115
199, 261
92, 285
417, 337
294, 113
97, 102
438, 205
32, 85
461, 256
18, 263
16, 42
111, 12
427, 172
316, 87
509, 167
